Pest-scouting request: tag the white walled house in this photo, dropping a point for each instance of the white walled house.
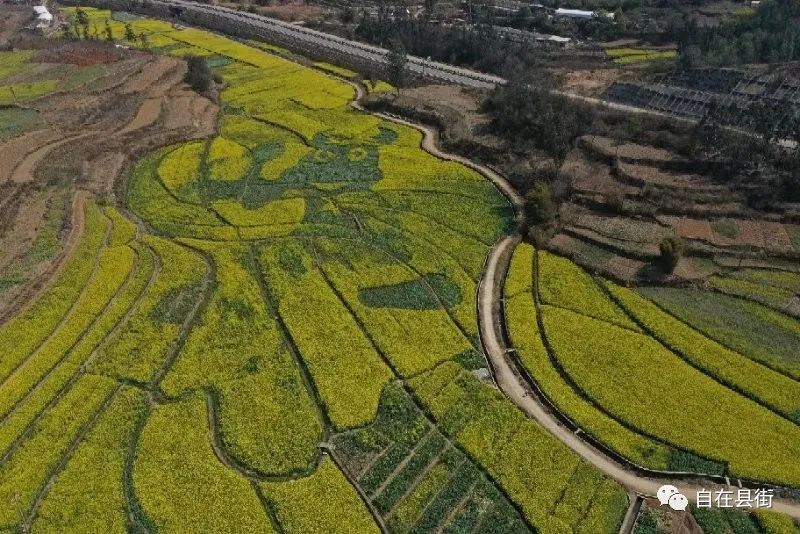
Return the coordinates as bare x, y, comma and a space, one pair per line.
43, 17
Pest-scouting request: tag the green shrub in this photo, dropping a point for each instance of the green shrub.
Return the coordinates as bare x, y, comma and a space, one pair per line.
540, 206
671, 249
198, 74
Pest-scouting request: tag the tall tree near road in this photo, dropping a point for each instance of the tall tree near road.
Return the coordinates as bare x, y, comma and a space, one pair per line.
109, 33
398, 58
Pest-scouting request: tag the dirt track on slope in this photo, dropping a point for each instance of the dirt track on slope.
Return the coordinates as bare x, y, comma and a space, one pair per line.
23, 172
24, 299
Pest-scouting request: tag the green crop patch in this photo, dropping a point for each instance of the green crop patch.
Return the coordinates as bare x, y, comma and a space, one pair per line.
24, 92
88, 494
414, 476
772, 295
564, 284
175, 304
427, 293
691, 463
774, 390
349, 381
662, 379
180, 483
523, 327
725, 520
479, 420
17, 121
751, 329
297, 504
236, 349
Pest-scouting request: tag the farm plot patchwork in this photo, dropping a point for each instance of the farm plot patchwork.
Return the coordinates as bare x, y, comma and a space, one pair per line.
288, 270
21, 82
777, 392
665, 397
615, 401
554, 488
526, 337
267, 418
290, 273
751, 329
416, 478
775, 294
562, 283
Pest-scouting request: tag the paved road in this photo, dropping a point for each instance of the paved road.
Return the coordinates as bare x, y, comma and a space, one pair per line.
430, 69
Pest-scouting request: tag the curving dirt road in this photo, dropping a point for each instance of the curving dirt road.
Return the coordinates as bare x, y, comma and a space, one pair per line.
490, 321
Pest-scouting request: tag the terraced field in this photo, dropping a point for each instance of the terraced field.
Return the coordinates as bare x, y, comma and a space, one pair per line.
641, 381
271, 326
275, 330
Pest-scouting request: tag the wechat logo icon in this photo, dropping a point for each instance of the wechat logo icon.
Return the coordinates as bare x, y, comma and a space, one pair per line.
670, 495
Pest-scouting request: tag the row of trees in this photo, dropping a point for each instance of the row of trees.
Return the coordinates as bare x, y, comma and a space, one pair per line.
81, 29
198, 74
770, 35
479, 47
531, 115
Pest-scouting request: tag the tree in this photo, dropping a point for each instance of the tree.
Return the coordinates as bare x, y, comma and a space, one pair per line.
347, 15
81, 17
522, 16
143, 39
198, 74
540, 206
690, 57
671, 251
397, 58
109, 32
130, 36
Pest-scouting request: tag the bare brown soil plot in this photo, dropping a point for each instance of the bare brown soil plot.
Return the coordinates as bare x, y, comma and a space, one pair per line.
90, 136
16, 149
148, 114
611, 148
592, 82
645, 174
13, 19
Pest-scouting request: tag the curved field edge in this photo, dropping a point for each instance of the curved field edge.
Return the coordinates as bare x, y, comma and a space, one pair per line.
549, 361
522, 321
